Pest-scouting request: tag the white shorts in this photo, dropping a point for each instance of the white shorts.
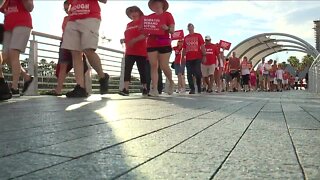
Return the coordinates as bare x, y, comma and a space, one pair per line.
285, 81
16, 39
207, 70
81, 34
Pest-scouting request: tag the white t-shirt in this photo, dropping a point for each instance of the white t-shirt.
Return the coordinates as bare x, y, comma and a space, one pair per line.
266, 68
279, 74
260, 68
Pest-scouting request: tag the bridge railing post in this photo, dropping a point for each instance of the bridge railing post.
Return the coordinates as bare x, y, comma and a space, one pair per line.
33, 68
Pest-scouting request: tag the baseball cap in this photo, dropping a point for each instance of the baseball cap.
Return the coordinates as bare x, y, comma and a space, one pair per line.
207, 38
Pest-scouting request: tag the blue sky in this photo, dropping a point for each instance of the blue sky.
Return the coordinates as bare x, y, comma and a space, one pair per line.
232, 21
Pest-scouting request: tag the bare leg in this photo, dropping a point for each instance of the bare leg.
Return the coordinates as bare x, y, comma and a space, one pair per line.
211, 80
154, 64
94, 61
164, 65
78, 67
16, 67
61, 78
179, 82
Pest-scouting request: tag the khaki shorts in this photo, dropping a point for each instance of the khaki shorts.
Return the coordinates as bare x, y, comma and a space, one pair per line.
207, 70
81, 34
16, 39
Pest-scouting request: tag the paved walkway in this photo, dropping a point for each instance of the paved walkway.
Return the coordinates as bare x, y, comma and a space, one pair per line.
227, 136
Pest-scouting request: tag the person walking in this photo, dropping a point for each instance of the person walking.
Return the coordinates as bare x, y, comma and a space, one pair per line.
179, 67
245, 72
136, 50
193, 53
82, 35
208, 67
17, 28
159, 46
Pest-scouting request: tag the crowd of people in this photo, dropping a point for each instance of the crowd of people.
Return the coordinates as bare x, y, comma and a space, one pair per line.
208, 70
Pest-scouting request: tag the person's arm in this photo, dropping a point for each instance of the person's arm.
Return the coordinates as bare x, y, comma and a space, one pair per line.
203, 51
28, 5
183, 55
169, 26
136, 39
103, 1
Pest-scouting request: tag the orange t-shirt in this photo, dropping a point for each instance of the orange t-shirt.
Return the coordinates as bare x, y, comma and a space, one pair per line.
192, 44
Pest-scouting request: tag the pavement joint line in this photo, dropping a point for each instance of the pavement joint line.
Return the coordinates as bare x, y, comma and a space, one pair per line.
186, 153
235, 145
293, 145
310, 114
306, 129
56, 123
181, 142
48, 154
137, 137
166, 116
51, 132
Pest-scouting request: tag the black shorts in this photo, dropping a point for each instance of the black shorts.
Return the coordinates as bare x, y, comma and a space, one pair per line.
245, 79
161, 50
235, 74
65, 56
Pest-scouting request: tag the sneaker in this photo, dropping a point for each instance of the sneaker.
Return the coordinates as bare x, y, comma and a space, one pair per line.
144, 92
209, 91
52, 93
27, 84
182, 91
153, 93
124, 92
77, 92
192, 92
5, 93
171, 88
15, 92
104, 84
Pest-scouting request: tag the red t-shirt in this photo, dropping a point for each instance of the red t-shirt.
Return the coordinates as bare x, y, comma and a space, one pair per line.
285, 76
234, 63
178, 54
253, 76
192, 44
133, 31
163, 40
212, 51
15, 14
82, 9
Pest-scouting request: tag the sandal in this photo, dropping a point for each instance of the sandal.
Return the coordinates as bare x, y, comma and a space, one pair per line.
27, 84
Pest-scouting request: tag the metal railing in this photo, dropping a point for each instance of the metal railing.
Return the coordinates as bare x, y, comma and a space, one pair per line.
46, 46
314, 76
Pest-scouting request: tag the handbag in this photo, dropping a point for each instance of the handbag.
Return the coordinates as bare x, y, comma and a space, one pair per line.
172, 65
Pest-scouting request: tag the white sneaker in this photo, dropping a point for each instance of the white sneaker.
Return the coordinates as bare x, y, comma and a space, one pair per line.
171, 88
153, 93
182, 91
